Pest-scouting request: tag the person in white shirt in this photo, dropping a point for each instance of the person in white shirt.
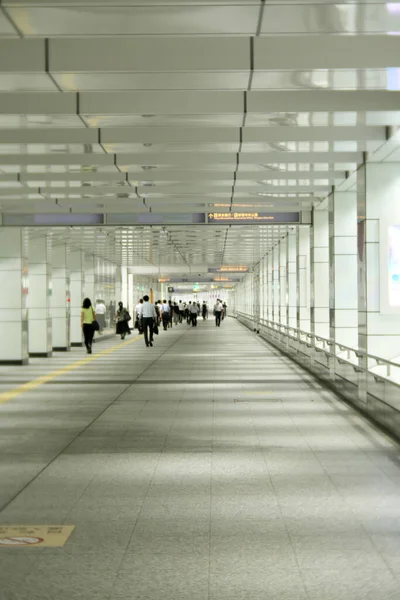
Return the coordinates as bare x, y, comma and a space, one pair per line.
217, 313
165, 314
138, 307
148, 316
137, 316
193, 314
101, 314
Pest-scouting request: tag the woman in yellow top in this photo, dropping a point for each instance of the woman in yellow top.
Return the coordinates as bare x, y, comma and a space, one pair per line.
87, 317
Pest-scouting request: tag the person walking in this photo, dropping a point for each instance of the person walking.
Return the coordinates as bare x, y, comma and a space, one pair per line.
193, 314
165, 314
185, 311
176, 313
189, 313
101, 315
217, 313
224, 310
88, 315
122, 318
148, 316
171, 313
204, 311
137, 317
157, 307
181, 311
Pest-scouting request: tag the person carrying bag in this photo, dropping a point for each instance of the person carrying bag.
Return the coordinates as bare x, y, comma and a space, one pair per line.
122, 317
88, 323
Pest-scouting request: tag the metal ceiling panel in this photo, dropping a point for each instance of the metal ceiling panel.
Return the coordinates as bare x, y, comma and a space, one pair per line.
169, 102
329, 18
330, 79
141, 20
24, 56
149, 55
38, 103
39, 120
326, 52
321, 100
162, 120
71, 82
6, 28
26, 82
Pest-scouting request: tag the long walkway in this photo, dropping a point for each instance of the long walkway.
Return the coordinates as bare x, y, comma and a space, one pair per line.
207, 467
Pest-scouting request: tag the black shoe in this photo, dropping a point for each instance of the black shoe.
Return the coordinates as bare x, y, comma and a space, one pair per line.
89, 350
147, 345
151, 344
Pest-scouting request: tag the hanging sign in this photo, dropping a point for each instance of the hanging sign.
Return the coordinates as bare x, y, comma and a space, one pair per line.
228, 269
242, 218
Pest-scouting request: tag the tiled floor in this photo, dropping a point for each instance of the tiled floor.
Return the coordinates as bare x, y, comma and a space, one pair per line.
207, 467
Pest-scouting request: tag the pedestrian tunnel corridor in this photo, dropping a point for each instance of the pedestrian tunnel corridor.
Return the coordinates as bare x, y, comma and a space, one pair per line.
209, 466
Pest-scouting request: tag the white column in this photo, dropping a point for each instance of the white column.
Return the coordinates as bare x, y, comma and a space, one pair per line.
303, 278
131, 304
89, 279
256, 297
378, 201
291, 279
263, 288
282, 282
124, 286
118, 285
275, 284
319, 238
270, 290
61, 298
77, 286
118, 295
13, 296
98, 278
343, 297
39, 297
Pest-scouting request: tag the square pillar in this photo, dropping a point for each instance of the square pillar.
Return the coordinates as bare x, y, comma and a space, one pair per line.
275, 285
39, 297
131, 304
77, 287
343, 294
303, 278
89, 280
378, 193
282, 282
124, 286
291, 279
270, 294
13, 299
256, 297
263, 288
319, 241
61, 298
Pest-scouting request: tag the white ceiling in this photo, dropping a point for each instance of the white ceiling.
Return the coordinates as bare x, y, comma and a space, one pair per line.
184, 107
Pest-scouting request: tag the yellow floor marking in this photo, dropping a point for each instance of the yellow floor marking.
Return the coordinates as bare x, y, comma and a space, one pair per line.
35, 383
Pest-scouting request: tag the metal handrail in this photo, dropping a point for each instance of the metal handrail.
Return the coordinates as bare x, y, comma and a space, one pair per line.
329, 342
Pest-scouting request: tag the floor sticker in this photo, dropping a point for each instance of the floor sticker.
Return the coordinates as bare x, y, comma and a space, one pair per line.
34, 536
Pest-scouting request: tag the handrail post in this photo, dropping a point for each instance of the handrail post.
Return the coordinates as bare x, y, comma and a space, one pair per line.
363, 377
